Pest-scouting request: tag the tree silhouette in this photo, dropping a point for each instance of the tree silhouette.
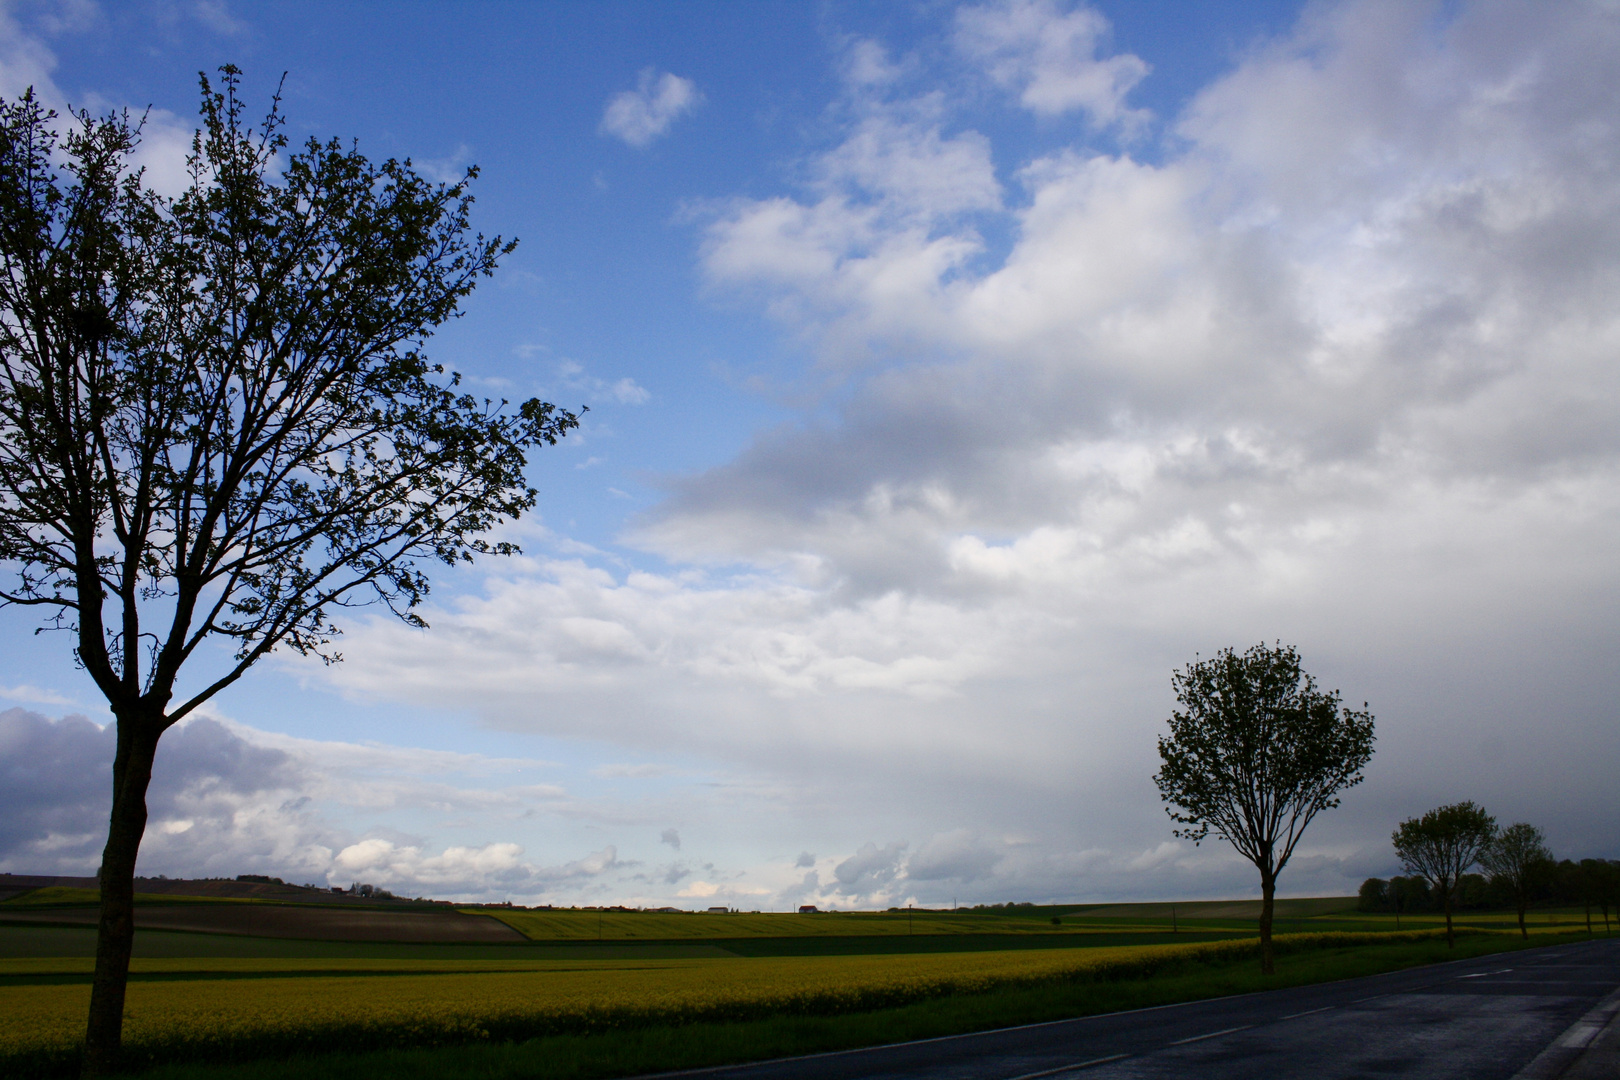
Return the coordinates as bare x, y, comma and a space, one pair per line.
1254, 754
217, 424
1518, 858
1441, 845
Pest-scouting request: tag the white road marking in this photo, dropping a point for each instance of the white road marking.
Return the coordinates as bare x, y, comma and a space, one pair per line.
1070, 1068
1485, 974
1211, 1035
1307, 1012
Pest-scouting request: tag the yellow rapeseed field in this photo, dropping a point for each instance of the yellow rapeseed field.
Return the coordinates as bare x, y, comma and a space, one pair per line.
393, 1002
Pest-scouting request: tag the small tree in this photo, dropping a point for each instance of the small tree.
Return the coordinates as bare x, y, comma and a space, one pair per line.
1608, 890
1598, 881
1254, 754
1441, 845
1519, 860
1373, 895
217, 425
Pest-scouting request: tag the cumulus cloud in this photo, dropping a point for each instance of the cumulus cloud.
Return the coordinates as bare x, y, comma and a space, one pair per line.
641, 115
625, 391
1049, 57
27, 61
466, 869
226, 799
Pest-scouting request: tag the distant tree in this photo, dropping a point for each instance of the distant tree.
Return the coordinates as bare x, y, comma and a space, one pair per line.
1608, 890
1408, 894
1254, 754
1373, 895
1518, 858
217, 425
1474, 893
1441, 846
1598, 882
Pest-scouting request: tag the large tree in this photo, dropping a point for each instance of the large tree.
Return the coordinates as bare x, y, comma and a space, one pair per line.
1255, 752
1519, 860
217, 424
1441, 845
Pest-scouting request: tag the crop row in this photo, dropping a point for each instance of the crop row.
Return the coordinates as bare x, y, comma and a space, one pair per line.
237, 1019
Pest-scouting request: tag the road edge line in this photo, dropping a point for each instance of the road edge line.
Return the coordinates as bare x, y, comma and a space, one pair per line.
1572, 1042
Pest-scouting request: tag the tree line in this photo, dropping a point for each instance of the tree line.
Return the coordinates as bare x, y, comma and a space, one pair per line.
1592, 884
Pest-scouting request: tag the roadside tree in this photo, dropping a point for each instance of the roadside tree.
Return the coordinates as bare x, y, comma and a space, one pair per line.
1255, 752
1598, 881
1441, 846
1519, 860
217, 425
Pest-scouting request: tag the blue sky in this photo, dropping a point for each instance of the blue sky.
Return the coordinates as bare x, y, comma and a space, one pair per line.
955, 372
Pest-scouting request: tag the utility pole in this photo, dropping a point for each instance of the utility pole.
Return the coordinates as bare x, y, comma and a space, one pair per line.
908, 920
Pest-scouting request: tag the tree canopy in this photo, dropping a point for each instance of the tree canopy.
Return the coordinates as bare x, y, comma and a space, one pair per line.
1520, 860
1255, 752
1441, 846
217, 421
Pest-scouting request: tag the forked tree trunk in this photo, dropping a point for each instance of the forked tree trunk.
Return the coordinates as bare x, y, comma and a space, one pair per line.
1268, 896
115, 935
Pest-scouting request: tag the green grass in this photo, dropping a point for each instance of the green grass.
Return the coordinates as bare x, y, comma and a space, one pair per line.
625, 1053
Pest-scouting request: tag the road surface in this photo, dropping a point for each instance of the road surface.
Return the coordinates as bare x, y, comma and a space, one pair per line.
1539, 1014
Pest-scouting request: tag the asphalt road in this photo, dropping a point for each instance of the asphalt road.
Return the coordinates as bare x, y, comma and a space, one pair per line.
1532, 1015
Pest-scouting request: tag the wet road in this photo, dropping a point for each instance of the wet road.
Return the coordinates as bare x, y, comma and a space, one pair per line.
1532, 1015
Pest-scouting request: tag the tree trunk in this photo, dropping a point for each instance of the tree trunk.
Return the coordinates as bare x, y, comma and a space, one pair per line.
1268, 894
1522, 931
1445, 900
115, 936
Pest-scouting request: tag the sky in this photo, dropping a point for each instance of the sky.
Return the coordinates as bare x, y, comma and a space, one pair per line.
956, 373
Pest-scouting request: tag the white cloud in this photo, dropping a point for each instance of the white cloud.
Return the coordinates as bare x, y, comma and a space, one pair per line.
34, 695
227, 799
626, 392
28, 62
1049, 56
641, 115
216, 15
571, 375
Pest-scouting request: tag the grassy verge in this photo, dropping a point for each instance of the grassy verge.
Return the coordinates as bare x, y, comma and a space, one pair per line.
658, 1047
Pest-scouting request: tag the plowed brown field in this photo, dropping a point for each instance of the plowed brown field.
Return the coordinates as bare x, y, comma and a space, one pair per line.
296, 921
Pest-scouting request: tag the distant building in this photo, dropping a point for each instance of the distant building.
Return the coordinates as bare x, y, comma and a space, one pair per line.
807, 909
719, 911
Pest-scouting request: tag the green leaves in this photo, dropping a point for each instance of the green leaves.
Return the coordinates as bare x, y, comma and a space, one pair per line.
1444, 842
1256, 751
